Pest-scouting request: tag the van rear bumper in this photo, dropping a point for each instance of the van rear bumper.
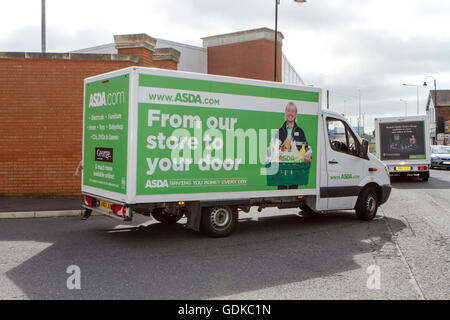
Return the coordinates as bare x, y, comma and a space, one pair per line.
385, 192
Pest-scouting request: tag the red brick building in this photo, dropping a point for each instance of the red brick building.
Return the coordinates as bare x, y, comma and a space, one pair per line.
41, 100
246, 54
438, 112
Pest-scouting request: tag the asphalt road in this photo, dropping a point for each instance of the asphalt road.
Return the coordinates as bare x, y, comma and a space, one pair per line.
277, 254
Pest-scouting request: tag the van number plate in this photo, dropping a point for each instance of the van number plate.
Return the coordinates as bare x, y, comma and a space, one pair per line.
402, 168
105, 205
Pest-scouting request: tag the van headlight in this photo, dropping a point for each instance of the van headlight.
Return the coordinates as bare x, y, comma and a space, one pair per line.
386, 168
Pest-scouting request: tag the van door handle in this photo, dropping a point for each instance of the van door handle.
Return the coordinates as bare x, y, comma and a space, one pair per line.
333, 162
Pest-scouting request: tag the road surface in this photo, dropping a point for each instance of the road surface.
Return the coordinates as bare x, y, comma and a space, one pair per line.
276, 254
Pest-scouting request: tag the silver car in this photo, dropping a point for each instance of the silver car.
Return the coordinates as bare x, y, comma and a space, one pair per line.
440, 156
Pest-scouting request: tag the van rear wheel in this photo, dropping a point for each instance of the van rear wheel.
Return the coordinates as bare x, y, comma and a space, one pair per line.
163, 216
424, 176
306, 210
367, 204
219, 221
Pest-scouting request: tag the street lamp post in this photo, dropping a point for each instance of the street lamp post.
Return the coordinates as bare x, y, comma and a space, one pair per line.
406, 106
277, 2
417, 87
435, 91
43, 37
435, 103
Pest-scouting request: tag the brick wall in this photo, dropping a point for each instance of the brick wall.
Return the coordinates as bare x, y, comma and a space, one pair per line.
41, 110
41, 104
443, 112
145, 56
164, 64
250, 59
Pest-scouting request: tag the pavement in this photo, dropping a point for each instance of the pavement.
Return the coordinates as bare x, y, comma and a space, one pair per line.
39, 207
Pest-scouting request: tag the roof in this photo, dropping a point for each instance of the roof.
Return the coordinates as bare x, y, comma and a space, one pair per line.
442, 96
242, 36
160, 43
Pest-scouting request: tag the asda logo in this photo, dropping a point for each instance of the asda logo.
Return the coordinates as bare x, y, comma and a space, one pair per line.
100, 99
188, 97
156, 184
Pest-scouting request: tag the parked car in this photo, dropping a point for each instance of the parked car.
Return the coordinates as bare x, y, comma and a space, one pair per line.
440, 156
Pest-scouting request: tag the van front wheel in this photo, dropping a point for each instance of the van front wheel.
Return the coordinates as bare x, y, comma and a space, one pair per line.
367, 204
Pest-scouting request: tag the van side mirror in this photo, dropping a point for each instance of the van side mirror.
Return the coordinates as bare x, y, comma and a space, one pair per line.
364, 149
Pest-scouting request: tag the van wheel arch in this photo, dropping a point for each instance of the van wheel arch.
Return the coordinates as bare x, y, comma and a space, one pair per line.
374, 186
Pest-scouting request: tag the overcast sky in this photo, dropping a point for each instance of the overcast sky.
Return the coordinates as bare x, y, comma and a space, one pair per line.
345, 46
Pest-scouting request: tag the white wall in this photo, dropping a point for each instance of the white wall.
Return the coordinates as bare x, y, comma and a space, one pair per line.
289, 75
431, 115
192, 59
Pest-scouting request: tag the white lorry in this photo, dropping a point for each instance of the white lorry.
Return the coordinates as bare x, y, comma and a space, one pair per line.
171, 144
403, 144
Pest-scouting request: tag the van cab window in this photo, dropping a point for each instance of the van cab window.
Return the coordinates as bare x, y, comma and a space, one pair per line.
341, 138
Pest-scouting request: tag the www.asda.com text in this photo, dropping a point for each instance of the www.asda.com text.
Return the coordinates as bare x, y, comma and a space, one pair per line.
184, 98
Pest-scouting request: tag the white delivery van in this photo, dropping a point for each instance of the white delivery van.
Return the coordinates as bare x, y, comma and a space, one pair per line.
403, 144
171, 144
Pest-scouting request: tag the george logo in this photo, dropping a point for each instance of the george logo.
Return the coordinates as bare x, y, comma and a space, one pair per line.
104, 154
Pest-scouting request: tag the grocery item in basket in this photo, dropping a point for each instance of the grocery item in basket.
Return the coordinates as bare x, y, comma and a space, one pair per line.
302, 152
287, 143
308, 155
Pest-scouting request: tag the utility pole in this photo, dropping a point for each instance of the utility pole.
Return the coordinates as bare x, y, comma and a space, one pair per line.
359, 117
363, 123
328, 99
417, 87
43, 49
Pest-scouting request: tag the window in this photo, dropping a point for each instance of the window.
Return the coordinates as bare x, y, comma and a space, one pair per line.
341, 138
440, 149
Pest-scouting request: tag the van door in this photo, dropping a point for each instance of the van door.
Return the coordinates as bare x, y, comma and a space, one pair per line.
344, 165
